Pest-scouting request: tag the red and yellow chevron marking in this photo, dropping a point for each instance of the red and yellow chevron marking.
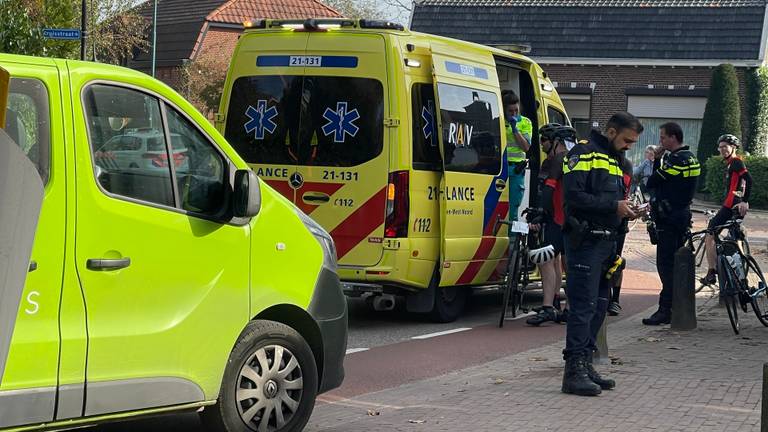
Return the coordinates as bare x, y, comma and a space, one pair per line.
361, 223
479, 265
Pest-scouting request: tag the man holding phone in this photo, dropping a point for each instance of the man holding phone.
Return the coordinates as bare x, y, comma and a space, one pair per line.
676, 171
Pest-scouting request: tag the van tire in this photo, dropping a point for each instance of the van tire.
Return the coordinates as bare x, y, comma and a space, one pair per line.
264, 338
449, 303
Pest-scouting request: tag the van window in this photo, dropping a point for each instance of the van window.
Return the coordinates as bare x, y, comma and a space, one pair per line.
200, 169
306, 120
263, 118
555, 116
426, 153
471, 129
27, 121
120, 113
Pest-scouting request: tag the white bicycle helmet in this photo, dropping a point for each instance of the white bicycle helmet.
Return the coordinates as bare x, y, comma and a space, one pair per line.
542, 255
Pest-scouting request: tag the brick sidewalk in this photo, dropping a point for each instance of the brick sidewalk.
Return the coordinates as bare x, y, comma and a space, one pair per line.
704, 380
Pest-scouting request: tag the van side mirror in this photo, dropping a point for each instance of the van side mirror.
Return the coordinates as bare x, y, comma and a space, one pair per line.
246, 200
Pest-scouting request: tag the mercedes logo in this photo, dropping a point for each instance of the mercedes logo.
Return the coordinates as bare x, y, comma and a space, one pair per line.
270, 389
296, 180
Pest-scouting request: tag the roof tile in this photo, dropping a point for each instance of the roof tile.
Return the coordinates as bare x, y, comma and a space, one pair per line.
682, 33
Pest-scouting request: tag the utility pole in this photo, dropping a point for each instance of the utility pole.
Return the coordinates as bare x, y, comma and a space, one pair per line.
154, 37
82, 31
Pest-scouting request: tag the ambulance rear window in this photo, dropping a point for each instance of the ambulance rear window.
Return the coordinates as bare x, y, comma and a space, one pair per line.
426, 153
306, 120
471, 129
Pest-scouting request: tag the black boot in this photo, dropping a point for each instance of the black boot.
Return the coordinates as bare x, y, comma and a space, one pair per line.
576, 380
604, 383
661, 316
547, 313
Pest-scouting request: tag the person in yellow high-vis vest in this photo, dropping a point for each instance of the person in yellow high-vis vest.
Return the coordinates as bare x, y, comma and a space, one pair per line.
519, 130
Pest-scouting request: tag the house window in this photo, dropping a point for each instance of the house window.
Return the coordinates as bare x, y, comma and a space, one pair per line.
578, 108
653, 111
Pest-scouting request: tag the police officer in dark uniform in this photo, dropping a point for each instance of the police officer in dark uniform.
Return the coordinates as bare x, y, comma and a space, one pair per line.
674, 181
595, 206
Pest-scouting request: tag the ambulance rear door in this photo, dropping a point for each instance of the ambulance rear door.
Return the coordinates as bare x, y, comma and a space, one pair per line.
470, 122
262, 106
343, 142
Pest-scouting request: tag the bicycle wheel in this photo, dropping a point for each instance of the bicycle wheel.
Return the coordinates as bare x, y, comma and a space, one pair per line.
509, 286
729, 290
757, 290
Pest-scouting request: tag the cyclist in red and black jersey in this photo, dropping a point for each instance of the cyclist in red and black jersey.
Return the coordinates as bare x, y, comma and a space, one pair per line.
738, 186
555, 141
614, 308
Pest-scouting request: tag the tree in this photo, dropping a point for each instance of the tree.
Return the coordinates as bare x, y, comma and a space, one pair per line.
722, 113
757, 107
201, 83
115, 29
368, 9
23, 23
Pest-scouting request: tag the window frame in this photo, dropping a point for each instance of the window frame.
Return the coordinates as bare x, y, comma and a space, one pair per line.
438, 166
49, 131
438, 112
224, 216
557, 110
383, 137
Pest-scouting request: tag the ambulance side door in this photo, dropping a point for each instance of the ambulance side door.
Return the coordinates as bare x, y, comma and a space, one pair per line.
470, 126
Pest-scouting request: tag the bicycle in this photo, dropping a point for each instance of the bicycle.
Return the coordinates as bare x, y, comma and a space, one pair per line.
519, 265
700, 251
740, 278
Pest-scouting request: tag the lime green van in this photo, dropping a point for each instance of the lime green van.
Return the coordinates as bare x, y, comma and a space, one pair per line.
179, 283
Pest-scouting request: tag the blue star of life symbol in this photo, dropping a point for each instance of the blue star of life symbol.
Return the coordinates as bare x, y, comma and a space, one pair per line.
260, 119
428, 114
340, 122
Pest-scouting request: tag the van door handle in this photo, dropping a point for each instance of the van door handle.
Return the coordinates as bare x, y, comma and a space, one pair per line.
107, 264
500, 185
310, 197
32, 266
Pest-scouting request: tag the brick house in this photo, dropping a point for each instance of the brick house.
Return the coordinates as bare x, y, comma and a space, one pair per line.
653, 58
208, 29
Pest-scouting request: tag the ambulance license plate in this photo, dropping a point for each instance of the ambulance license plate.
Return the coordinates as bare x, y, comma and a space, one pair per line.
305, 61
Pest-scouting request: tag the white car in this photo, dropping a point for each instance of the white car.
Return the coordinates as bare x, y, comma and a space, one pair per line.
142, 149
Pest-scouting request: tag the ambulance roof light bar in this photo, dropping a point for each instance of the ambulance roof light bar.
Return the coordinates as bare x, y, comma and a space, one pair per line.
321, 24
516, 48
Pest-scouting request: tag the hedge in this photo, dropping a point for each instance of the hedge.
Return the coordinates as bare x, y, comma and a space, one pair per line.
723, 112
757, 111
758, 168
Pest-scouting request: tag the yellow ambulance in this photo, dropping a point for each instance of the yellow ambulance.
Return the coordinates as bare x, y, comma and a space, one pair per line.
393, 141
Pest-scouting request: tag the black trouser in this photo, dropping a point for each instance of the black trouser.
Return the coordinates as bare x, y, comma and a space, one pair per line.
588, 292
671, 238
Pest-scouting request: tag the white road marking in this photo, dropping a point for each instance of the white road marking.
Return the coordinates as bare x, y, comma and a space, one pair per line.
356, 350
442, 333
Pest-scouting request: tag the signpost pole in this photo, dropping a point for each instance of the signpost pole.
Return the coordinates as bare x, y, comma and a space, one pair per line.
154, 37
82, 32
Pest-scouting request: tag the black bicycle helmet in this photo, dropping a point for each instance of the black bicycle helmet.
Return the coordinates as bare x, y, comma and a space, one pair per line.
730, 139
565, 133
547, 131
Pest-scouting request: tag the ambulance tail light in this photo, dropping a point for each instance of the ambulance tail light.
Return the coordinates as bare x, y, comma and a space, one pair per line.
397, 205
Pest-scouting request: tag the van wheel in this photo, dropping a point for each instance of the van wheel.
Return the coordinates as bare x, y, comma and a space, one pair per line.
270, 382
449, 303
